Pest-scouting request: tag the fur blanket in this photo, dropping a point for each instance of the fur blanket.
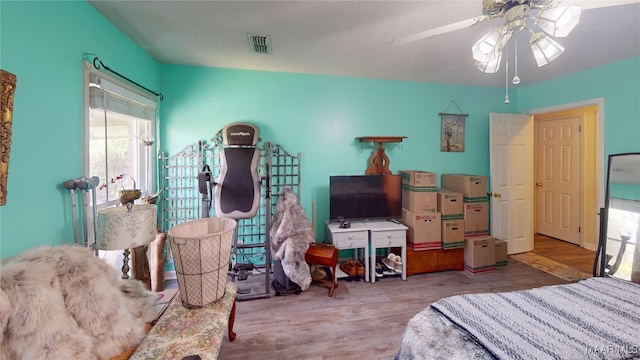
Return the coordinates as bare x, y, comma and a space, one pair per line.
64, 303
291, 234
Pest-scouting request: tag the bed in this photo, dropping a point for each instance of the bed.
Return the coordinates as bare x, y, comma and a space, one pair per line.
596, 318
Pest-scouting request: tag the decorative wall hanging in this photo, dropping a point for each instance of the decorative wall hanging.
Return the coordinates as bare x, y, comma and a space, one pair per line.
379, 161
7, 89
453, 129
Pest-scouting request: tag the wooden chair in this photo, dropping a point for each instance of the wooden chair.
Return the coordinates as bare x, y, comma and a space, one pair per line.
327, 255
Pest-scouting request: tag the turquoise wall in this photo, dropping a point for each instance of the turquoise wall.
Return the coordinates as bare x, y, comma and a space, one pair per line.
617, 83
625, 191
43, 44
321, 116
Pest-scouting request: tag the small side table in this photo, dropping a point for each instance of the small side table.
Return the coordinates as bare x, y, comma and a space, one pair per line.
355, 237
327, 255
386, 234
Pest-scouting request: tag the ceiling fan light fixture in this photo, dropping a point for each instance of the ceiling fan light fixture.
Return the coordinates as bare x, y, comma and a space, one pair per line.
559, 21
492, 65
544, 48
495, 8
540, 3
485, 49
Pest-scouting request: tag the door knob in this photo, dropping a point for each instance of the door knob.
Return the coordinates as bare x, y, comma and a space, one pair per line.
496, 194
538, 184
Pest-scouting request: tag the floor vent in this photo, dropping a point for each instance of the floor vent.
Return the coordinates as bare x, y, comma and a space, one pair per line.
260, 43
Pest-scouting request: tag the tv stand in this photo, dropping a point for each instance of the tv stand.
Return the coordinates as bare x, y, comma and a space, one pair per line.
369, 236
383, 234
355, 237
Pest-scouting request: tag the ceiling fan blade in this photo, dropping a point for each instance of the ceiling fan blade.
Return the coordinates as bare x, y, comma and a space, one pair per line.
439, 30
595, 4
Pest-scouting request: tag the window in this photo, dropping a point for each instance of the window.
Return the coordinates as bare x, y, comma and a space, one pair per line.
119, 137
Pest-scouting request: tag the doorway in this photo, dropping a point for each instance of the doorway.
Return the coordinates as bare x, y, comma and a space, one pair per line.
566, 175
565, 253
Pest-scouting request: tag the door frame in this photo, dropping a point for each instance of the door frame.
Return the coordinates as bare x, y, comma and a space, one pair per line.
600, 158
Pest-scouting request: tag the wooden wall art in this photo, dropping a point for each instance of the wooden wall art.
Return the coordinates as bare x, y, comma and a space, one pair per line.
7, 89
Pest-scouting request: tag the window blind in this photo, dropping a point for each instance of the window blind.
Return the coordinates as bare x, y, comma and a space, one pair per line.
104, 94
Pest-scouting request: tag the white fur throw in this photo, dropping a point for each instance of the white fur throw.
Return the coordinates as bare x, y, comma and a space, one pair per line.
291, 234
64, 303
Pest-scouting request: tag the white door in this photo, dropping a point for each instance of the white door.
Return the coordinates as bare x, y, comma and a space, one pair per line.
511, 179
558, 182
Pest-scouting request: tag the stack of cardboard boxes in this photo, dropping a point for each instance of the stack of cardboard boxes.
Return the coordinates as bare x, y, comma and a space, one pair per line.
450, 205
419, 209
479, 247
435, 238
434, 216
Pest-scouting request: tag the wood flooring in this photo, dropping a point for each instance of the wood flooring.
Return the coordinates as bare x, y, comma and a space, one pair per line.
362, 320
564, 252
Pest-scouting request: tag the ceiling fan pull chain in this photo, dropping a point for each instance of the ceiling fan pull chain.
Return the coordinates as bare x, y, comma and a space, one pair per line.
506, 76
516, 79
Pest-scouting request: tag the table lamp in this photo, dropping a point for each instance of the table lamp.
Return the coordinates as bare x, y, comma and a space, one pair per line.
126, 227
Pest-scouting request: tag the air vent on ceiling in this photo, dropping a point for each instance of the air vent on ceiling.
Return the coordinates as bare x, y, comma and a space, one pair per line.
260, 43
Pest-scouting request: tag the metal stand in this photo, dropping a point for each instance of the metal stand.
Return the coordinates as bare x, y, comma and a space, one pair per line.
205, 186
251, 249
125, 264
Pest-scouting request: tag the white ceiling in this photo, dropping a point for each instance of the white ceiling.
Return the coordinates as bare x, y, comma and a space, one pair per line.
353, 38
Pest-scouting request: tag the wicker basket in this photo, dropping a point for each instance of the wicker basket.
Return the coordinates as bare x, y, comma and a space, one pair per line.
127, 196
201, 250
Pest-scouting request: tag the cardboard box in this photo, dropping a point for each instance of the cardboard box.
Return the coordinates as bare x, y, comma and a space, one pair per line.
419, 199
501, 252
450, 204
424, 230
479, 254
419, 178
472, 187
476, 218
452, 233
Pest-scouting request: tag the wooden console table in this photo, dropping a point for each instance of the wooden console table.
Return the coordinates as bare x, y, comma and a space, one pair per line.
426, 261
379, 161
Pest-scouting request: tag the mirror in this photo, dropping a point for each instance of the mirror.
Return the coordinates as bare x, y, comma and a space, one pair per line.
620, 228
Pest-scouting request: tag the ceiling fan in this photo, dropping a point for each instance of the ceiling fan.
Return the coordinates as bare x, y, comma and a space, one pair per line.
518, 15
545, 19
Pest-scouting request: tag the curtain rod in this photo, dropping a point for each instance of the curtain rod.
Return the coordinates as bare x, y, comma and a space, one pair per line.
96, 60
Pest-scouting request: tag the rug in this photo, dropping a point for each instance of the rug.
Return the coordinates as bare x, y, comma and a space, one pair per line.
551, 266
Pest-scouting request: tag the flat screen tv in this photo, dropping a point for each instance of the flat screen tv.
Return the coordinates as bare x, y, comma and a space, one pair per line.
365, 197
